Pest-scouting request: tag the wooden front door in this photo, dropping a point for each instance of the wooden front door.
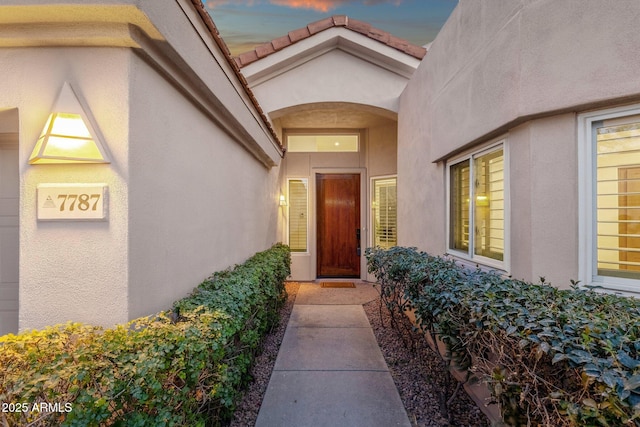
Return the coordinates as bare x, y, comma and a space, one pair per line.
338, 225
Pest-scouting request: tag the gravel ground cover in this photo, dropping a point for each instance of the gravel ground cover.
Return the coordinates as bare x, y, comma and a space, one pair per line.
423, 382
246, 413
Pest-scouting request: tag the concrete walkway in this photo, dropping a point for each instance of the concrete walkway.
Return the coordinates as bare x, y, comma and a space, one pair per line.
329, 370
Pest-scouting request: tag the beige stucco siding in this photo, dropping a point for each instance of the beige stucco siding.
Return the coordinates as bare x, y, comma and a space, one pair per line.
71, 271
421, 198
521, 201
335, 76
382, 154
199, 202
543, 165
495, 62
519, 71
543, 201
193, 179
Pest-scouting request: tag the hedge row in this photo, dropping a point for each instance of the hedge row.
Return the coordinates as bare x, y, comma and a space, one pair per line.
550, 357
182, 367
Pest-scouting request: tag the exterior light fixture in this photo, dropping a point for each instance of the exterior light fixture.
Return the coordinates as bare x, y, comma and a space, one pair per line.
283, 201
68, 136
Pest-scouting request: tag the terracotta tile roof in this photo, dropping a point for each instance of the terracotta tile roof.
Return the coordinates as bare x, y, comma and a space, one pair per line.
206, 18
361, 27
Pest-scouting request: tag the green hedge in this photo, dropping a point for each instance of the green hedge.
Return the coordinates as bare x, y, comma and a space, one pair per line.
182, 367
551, 357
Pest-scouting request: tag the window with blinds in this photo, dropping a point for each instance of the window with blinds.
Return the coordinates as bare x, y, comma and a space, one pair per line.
489, 205
459, 205
298, 212
478, 228
618, 200
385, 212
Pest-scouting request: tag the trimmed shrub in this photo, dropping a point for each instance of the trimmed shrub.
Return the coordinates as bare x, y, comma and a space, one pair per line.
182, 367
550, 357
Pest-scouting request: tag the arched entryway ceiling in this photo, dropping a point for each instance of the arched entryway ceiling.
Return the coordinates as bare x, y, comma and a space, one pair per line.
332, 115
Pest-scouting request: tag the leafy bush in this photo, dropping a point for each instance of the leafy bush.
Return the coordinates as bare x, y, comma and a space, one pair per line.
551, 357
180, 367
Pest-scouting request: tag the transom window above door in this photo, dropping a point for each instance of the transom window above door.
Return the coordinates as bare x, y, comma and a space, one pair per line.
323, 142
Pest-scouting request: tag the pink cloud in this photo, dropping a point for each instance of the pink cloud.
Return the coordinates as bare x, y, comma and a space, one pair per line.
319, 5
327, 5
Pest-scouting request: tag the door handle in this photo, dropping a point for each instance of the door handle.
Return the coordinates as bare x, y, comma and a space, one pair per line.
358, 239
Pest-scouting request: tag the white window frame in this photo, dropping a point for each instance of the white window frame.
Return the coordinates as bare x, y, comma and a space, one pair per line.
469, 256
289, 179
372, 236
587, 246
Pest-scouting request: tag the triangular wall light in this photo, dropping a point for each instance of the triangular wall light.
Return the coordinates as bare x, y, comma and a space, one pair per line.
68, 136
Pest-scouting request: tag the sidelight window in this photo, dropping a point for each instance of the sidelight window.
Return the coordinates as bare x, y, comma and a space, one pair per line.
384, 212
298, 214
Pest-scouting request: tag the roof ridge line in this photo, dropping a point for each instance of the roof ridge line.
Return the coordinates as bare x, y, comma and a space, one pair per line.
313, 28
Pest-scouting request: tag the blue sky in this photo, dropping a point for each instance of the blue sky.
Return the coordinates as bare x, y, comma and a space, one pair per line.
245, 24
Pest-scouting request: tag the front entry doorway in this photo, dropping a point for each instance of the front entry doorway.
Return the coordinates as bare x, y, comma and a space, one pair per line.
338, 225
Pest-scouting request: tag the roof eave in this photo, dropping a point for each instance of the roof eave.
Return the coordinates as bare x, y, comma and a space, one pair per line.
208, 21
334, 38
336, 21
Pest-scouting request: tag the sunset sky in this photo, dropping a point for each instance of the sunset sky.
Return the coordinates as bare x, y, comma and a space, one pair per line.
245, 24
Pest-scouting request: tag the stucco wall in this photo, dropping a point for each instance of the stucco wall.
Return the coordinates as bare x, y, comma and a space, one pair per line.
190, 184
382, 154
544, 200
495, 62
421, 199
519, 70
199, 202
335, 76
70, 270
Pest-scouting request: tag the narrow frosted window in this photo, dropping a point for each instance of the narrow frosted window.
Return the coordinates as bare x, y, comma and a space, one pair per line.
298, 206
385, 227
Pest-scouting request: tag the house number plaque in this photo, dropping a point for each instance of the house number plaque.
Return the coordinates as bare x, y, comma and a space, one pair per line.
72, 202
